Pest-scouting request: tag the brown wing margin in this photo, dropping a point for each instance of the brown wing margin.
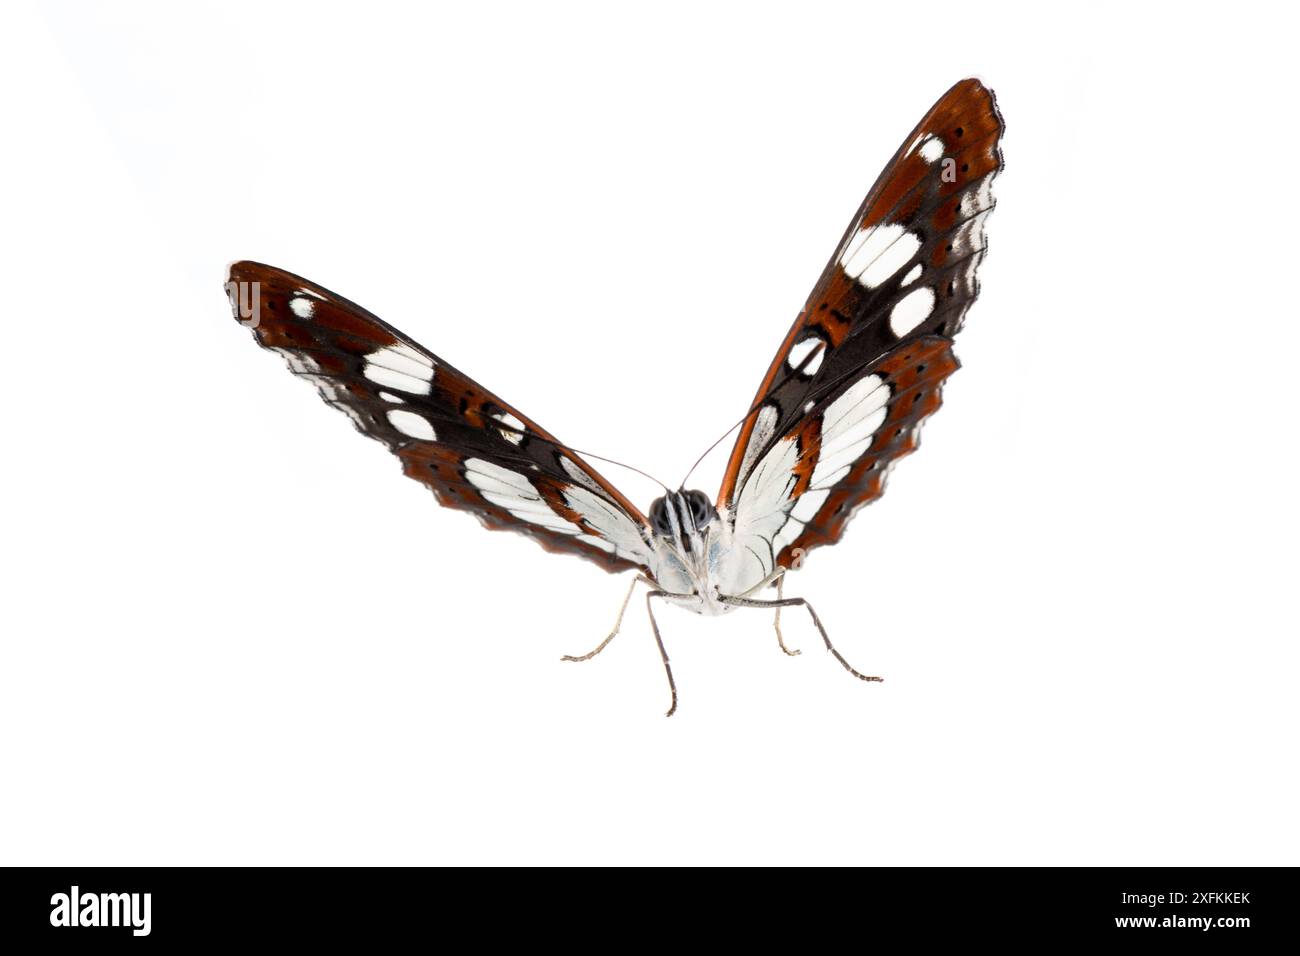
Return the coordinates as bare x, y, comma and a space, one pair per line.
429, 414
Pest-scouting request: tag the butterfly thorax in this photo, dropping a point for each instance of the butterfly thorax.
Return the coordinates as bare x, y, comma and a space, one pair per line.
689, 539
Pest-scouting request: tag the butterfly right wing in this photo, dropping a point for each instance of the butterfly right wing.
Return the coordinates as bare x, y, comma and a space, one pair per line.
863, 363
475, 452
804, 490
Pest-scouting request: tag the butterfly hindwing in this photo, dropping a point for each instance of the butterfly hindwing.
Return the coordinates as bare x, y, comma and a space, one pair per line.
883, 313
473, 450
812, 479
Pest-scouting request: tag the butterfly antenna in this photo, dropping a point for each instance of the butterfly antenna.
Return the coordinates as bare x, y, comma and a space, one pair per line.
821, 347
584, 454
611, 461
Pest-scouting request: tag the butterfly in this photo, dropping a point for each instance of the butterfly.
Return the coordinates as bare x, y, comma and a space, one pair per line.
845, 397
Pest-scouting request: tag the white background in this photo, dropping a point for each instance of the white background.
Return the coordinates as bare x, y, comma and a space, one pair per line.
233, 633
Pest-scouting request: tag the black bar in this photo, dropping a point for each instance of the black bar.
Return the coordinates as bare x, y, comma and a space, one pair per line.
1237, 908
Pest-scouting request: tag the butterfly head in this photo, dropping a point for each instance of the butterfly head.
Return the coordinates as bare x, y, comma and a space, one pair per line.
682, 518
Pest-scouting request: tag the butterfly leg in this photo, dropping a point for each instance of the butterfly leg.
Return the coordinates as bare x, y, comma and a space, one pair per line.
617, 625
800, 602
780, 596
654, 626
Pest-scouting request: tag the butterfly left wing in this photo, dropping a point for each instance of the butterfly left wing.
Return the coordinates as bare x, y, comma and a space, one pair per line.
475, 452
862, 365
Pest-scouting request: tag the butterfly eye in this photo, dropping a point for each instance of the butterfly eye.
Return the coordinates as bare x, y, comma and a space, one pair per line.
659, 518
701, 508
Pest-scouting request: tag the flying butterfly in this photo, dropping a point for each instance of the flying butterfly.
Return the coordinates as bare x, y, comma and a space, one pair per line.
844, 398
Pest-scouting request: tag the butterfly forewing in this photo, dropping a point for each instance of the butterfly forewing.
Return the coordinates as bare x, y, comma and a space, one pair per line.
473, 450
862, 365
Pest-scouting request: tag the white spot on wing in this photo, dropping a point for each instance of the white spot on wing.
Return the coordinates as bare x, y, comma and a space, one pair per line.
303, 308
854, 445
932, 149
390, 397
411, 424
911, 310
486, 476
514, 437
515, 494
401, 367
800, 351
913, 275
808, 505
859, 399
402, 350
823, 478
877, 252
386, 376
848, 427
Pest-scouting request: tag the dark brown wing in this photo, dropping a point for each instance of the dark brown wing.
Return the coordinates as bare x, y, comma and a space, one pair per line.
890, 299
472, 449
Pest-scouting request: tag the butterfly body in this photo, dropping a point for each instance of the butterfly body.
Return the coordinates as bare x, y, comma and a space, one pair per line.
691, 541
857, 375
